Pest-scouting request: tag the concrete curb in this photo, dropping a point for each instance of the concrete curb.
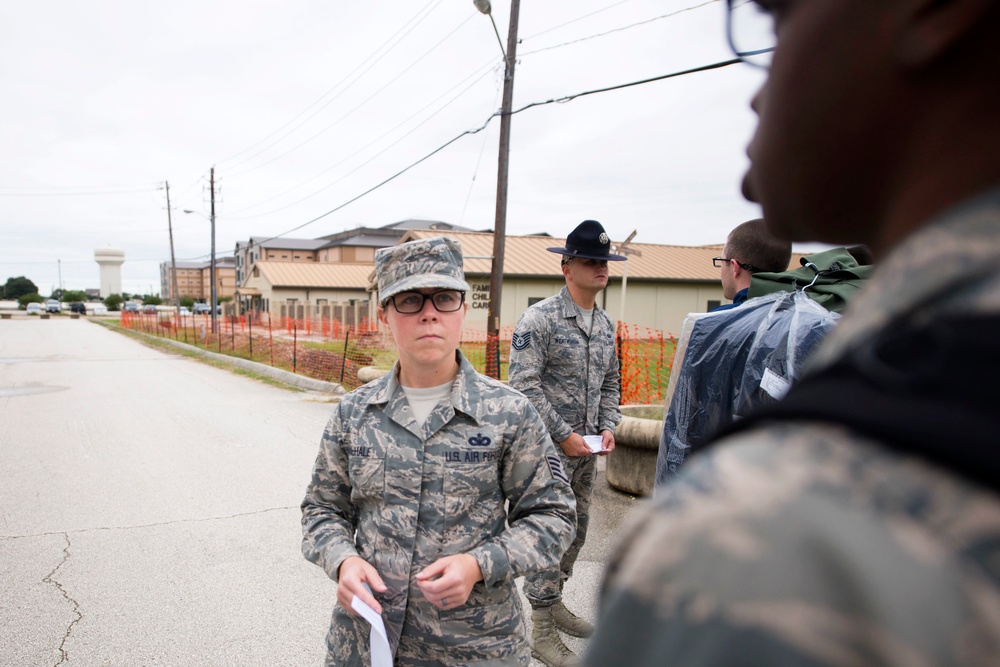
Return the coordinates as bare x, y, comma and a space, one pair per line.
278, 374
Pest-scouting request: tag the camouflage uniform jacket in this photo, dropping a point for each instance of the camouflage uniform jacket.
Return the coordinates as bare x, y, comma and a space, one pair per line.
400, 496
572, 378
804, 543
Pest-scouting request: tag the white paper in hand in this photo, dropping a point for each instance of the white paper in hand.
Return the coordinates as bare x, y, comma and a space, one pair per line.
595, 442
381, 654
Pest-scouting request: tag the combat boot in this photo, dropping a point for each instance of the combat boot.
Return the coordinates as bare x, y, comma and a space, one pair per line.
569, 622
546, 644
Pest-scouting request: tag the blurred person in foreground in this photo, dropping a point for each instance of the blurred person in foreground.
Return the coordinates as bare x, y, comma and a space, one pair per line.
435, 486
563, 357
857, 522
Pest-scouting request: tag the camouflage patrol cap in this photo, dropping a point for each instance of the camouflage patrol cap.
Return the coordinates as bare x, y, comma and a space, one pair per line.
434, 262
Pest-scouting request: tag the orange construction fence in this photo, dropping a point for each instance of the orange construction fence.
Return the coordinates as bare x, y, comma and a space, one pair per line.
327, 349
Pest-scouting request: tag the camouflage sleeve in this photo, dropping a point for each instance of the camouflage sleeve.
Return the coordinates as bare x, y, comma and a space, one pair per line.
527, 364
329, 517
798, 549
542, 510
611, 396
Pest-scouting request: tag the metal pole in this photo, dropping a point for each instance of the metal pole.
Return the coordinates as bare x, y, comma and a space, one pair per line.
500, 226
173, 262
215, 322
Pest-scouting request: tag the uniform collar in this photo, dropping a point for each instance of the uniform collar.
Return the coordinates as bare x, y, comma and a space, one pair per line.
466, 396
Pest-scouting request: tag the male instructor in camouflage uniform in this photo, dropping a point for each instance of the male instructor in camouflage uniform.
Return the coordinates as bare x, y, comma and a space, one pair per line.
857, 522
563, 358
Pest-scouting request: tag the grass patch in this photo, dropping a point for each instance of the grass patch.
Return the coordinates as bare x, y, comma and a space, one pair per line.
161, 344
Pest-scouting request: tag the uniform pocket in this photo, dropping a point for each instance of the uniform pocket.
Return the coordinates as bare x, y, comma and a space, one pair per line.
367, 477
472, 485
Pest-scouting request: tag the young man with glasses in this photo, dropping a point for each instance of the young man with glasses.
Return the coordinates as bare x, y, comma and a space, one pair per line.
749, 249
857, 521
563, 358
435, 487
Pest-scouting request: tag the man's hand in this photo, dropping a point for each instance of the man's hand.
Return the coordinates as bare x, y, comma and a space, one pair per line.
607, 441
574, 446
447, 582
354, 573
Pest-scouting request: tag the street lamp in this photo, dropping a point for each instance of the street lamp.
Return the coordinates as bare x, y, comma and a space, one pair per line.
215, 322
500, 226
485, 7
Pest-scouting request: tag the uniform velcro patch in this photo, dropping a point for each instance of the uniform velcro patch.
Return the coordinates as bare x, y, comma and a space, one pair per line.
520, 341
555, 467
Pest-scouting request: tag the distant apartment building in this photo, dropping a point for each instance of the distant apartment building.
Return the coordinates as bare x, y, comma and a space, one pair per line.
264, 274
194, 279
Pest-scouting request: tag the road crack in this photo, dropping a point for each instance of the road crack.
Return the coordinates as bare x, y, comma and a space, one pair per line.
50, 579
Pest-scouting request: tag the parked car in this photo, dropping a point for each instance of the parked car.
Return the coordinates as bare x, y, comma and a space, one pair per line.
78, 307
202, 309
35, 308
99, 309
150, 309
184, 310
53, 306
130, 307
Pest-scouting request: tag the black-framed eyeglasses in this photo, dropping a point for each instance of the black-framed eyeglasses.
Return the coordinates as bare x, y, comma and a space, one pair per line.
719, 262
750, 31
444, 301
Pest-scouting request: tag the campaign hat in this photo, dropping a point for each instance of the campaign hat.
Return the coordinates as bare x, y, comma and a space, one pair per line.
589, 241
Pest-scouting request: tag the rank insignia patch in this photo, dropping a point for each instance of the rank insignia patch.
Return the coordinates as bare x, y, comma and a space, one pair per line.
520, 341
555, 466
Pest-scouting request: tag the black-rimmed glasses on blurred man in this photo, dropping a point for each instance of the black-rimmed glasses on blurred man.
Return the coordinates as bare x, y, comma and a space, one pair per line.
750, 30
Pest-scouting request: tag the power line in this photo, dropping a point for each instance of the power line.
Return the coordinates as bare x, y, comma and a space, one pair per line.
614, 30
357, 152
559, 100
387, 46
368, 99
83, 190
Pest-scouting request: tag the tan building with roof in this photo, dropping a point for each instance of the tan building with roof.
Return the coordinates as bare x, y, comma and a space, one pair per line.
308, 289
664, 283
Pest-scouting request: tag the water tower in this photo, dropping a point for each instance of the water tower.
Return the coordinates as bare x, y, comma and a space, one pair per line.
110, 260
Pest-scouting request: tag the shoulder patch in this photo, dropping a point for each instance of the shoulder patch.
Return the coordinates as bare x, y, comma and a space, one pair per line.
555, 467
520, 341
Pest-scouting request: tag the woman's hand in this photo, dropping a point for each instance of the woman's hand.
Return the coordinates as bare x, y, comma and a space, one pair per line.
448, 581
354, 573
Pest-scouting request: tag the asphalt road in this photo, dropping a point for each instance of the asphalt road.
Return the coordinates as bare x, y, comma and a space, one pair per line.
149, 508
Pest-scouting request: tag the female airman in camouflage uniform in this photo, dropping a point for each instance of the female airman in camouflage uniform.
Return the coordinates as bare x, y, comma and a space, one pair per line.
434, 486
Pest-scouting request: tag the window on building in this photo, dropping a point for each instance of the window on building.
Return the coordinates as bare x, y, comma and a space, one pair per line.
712, 305
532, 300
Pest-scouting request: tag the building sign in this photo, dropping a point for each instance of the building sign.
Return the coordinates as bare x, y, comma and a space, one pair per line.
480, 297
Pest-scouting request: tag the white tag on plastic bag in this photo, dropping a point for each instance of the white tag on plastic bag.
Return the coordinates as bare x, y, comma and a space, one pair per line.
775, 385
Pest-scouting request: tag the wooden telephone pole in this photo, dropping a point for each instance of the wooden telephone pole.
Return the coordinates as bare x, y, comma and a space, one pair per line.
500, 225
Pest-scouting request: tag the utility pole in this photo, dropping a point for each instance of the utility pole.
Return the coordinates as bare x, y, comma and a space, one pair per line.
173, 262
500, 226
215, 321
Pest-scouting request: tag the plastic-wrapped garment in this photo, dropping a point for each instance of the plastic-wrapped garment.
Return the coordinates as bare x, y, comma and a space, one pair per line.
732, 361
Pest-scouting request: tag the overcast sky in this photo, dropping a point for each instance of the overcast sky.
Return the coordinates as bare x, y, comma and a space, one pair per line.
303, 106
